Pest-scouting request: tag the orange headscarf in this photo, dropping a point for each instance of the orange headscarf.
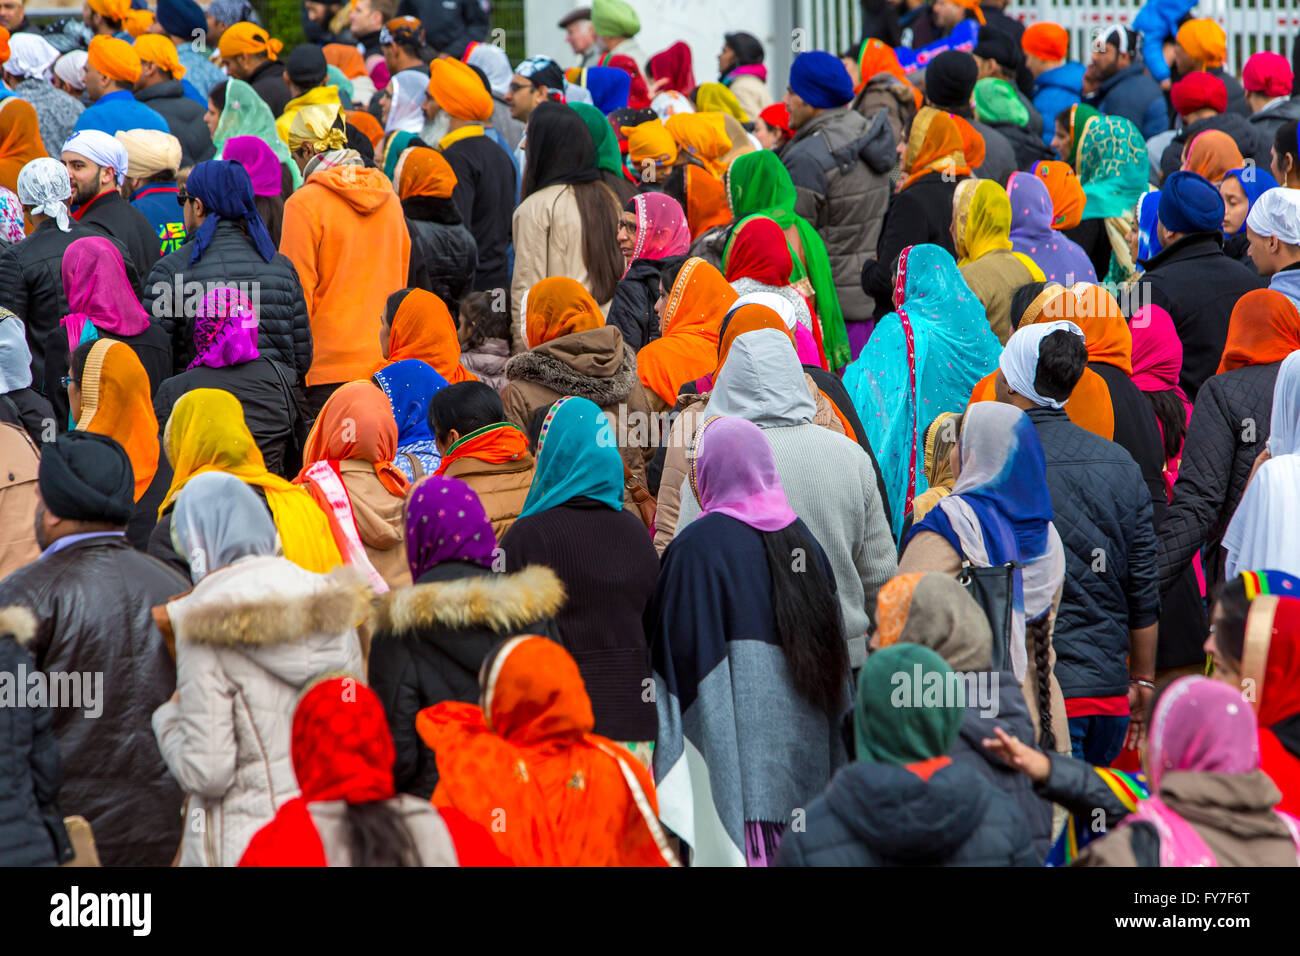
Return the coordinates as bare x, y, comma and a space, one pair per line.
347, 58
749, 318
528, 756
972, 142
558, 306
423, 329
367, 124
878, 57
1211, 154
933, 145
650, 141
1066, 190
688, 347
893, 604
20, 139
116, 401
1264, 328
706, 202
423, 172
356, 423
703, 135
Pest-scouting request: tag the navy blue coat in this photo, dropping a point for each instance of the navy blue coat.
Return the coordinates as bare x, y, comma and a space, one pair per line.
1133, 94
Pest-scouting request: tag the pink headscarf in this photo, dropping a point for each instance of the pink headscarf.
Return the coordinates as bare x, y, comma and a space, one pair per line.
94, 278
225, 330
661, 228
263, 166
733, 472
1158, 361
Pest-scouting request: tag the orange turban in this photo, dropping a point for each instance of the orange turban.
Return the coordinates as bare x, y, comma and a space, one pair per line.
1047, 41
974, 7
1204, 41
248, 38
458, 91
114, 58
156, 48
346, 58
703, 135
423, 172
115, 10
138, 22
4, 45
650, 141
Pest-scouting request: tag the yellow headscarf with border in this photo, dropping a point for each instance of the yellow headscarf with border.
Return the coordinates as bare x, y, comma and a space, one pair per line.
982, 223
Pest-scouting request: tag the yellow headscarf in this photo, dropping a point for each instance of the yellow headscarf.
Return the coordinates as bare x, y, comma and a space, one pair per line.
315, 125
704, 136
716, 98
206, 432
982, 223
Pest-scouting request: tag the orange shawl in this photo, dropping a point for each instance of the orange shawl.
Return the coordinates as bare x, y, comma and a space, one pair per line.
115, 401
528, 757
706, 201
878, 57
1264, 328
972, 142
934, 145
20, 139
558, 306
423, 329
688, 347
356, 423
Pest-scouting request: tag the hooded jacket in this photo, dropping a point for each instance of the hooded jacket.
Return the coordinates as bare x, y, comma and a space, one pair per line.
1056, 90
249, 637
886, 92
345, 234
840, 163
431, 639
378, 516
838, 500
1272, 118
184, 118
1133, 94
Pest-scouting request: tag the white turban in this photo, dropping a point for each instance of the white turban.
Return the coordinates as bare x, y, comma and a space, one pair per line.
43, 185
1019, 361
71, 68
149, 151
1277, 213
494, 63
101, 149
30, 56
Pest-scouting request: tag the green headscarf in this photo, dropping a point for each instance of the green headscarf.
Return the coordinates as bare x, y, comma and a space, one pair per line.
888, 724
608, 157
246, 114
1079, 116
996, 102
758, 184
396, 146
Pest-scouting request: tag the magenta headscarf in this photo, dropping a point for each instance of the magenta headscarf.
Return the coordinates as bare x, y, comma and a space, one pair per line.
94, 278
1032, 234
445, 521
225, 330
733, 472
1157, 363
661, 228
259, 160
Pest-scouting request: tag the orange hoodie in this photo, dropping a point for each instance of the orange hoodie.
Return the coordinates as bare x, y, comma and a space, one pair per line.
345, 233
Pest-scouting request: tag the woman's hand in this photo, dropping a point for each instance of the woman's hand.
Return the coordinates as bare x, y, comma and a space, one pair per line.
1031, 762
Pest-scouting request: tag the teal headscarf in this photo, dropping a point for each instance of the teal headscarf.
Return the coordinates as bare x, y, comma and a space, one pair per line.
577, 456
1113, 166
246, 114
908, 708
608, 157
396, 146
334, 77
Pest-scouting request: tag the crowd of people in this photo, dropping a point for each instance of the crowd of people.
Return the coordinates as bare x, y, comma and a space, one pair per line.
415, 457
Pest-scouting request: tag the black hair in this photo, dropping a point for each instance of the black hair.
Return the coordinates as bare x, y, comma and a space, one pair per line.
480, 321
1061, 360
271, 209
393, 303
377, 836
360, 142
77, 362
218, 95
1172, 415
675, 185
1063, 119
1038, 636
1284, 143
806, 614
535, 427
669, 267
630, 205
1230, 622
465, 407
1020, 300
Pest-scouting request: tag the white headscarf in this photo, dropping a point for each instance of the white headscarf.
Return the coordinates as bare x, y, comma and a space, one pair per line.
100, 148
406, 112
1284, 428
781, 306
1019, 361
44, 186
494, 63
15, 356
1277, 213
30, 56
71, 68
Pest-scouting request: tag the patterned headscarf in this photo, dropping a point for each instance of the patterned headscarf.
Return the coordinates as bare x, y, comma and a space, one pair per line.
445, 521
11, 217
225, 330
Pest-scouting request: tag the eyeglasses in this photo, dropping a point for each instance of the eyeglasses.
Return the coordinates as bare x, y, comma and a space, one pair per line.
517, 87
182, 197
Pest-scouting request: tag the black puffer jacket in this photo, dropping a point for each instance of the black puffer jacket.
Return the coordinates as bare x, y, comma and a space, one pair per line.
283, 329
1103, 515
444, 245
1197, 285
1229, 428
92, 602
111, 215
876, 814
29, 754
431, 638
922, 212
31, 284
632, 310
184, 118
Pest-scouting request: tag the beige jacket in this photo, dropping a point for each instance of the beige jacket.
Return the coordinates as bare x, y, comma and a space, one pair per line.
18, 486
378, 513
249, 637
753, 94
501, 488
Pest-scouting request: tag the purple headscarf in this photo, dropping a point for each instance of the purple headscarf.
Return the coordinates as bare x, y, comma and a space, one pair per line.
733, 472
1202, 725
225, 330
263, 166
1032, 234
445, 521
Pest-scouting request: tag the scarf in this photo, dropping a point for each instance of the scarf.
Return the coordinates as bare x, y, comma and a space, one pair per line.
99, 297
933, 145
1063, 186
423, 329
706, 202
718, 98
246, 114
397, 146
561, 150
934, 611
20, 139
703, 136
688, 346
1211, 154
1271, 665
406, 107
15, 355
356, 423
1254, 183
1264, 328
1113, 168
556, 307
423, 172
1059, 258
1148, 217
225, 330
887, 733
1080, 114
410, 386
661, 229
445, 521
982, 224
756, 249
227, 193
116, 401
610, 86
608, 157
674, 67
577, 457
733, 472
218, 520
493, 444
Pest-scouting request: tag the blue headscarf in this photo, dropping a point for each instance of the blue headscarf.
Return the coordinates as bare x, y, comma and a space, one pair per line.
577, 457
1148, 216
227, 193
608, 86
1255, 185
953, 348
410, 386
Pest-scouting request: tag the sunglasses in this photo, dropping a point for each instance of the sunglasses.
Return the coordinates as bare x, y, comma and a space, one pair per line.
182, 197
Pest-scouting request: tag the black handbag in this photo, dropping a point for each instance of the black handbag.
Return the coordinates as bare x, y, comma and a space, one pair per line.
994, 590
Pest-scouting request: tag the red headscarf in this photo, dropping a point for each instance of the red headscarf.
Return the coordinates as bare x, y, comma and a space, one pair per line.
1271, 661
758, 251
674, 66
1264, 328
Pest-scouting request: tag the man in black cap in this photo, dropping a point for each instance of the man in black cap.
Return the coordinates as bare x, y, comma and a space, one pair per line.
305, 73
949, 84
107, 665
581, 37
999, 58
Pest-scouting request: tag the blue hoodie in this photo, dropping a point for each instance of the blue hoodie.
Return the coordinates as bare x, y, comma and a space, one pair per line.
1157, 21
1056, 90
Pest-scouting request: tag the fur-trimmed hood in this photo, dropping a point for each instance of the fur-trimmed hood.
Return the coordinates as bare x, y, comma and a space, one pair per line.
596, 364
19, 622
499, 602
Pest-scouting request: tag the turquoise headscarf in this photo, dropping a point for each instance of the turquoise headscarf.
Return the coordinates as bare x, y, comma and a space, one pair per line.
577, 457
894, 720
396, 146
1112, 166
952, 349
334, 77
246, 114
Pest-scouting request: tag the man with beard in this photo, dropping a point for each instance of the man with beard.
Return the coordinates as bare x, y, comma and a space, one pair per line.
97, 165
1117, 82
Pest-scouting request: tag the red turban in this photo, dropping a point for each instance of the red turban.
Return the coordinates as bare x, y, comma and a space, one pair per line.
1196, 91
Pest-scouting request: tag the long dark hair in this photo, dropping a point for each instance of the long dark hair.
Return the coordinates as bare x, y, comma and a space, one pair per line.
598, 212
271, 209
377, 836
807, 617
1172, 415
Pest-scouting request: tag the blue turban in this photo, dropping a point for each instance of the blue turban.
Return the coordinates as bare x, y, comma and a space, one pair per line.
227, 193
1190, 203
181, 18
820, 80
1255, 181
608, 87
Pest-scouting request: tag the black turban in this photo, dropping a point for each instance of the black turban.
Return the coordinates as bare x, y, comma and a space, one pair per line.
87, 477
950, 79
